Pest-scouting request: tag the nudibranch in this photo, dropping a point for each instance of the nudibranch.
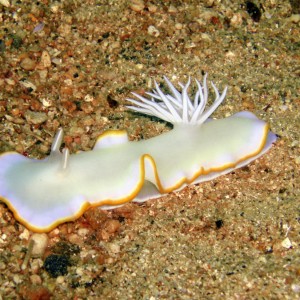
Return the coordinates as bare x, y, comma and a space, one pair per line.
44, 193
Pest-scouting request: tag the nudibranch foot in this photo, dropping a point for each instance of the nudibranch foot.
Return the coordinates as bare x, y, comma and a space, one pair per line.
45, 193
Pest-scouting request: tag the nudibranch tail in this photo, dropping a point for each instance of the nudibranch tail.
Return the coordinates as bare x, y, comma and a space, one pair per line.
178, 107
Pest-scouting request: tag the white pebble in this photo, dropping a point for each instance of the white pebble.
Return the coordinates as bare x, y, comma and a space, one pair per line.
286, 243
40, 244
296, 288
5, 3
153, 31
60, 279
17, 279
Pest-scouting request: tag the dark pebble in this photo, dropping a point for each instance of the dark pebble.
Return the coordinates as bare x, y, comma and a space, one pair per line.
57, 265
253, 11
295, 4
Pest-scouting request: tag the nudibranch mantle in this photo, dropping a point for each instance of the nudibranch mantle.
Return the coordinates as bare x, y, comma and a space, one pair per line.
44, 193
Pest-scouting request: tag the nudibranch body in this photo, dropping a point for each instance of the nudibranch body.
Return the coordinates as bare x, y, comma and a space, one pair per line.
44, 193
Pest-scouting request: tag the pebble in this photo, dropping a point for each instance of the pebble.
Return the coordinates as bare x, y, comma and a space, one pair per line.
79, 271
43, 75
60, 279
88, 98
76, 239
3, 266
152, 8
35, 279
40, 244
113, 248
83, 232
295, 288
286, 243
236, 20
294, 18
35, 117
64, 30
35, 265
55, 8
10, 81
172, 9
45, 61
28, 85
152, 30
28, 64
178, 26
24, 235
56, 265
5, 3
137, 5
17, 279
112, 226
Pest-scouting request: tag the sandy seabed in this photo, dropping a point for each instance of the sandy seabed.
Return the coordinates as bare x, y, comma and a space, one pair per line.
72, 64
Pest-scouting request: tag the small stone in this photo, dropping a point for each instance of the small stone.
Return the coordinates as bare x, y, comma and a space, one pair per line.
236, 20
115, 45
295, 288
56, 265
286, 243
17, 279
75, 239
24, 235
28, 85
294, 18
172, 9
153, 31
45, 61
34, 292
230, 54
112, 226
35, 117
83, 232
205, 37
55, 7
137, 5
209, 3
178, 26
139, 66
5, 3
40, 244
152, 8
57, 61
88, 98
113, 248
46, 102
3, 266
64, 30
35, 265
10, 81
60, 279
35, 279
43, 75
28, 64
79, 271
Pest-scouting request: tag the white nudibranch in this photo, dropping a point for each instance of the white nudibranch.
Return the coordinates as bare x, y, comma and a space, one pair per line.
59, 188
